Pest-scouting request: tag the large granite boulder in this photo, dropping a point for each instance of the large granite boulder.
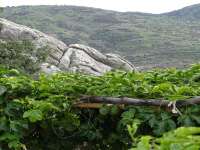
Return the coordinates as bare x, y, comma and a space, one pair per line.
73, 58
81, 58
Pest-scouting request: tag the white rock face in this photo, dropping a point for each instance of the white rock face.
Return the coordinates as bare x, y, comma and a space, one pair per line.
118, 62
77, 60
81, 58
73, 58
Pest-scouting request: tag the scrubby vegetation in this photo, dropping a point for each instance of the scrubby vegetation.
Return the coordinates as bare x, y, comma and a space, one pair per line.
43, 114
22, 55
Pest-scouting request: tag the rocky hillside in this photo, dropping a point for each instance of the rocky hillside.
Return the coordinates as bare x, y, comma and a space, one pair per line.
59, 56
147, 40
188, 13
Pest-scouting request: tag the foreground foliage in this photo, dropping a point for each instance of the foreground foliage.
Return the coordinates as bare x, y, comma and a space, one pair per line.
40, 114
183, 138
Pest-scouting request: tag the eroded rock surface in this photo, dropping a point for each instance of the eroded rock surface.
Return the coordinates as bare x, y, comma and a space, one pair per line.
81, 58
15, 32
73, 58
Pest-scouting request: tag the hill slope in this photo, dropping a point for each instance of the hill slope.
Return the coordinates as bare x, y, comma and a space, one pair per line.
147, 40
188, 13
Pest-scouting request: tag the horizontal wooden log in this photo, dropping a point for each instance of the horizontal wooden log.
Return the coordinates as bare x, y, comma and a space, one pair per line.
93, 105
88, 105
138, 102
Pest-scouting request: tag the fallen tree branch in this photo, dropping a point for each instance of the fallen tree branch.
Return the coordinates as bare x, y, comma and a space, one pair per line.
138, 102
94, 105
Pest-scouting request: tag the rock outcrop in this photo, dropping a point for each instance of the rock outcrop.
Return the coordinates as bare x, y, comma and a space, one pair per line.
81, 58
73, 58
16, 32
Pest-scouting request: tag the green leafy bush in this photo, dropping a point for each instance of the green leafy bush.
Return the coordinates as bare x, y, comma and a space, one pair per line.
40, 114
183, 138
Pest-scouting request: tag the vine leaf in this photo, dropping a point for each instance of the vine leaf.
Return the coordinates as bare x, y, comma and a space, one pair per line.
33, 115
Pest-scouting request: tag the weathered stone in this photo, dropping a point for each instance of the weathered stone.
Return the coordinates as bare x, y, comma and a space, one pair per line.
16, 32
117, 62
75, 58
79, 59
65, 60
95, 54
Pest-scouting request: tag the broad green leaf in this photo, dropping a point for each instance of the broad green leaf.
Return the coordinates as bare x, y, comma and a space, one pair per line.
185, 131
8, 137
144, 143
33, 115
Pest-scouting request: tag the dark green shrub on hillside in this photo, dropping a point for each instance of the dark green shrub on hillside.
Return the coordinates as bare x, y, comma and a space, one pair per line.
22, 55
